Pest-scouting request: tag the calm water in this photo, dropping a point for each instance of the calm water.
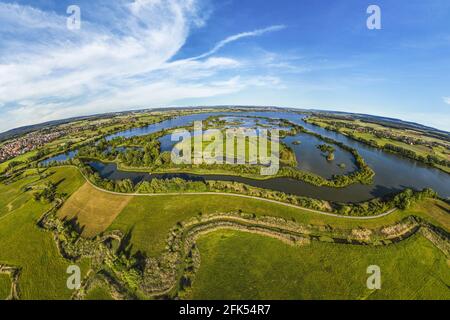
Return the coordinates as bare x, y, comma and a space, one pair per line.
60, 157
393, 172
167, 124
311, 159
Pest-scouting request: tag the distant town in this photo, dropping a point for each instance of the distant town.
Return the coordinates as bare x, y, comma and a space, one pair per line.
27, 143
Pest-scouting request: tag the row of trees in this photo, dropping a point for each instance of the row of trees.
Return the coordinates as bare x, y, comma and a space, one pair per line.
402, 200
429, 159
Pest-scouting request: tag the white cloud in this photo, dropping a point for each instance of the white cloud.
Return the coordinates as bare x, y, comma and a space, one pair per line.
238, 36
60, 73
446, 100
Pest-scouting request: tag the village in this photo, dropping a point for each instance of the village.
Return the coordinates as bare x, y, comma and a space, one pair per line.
27, 143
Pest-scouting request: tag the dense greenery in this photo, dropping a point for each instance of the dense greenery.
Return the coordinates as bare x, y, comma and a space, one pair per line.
162, 163
328, 150
402, 200
47, 194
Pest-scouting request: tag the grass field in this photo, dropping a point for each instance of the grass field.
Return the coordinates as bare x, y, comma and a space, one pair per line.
94, 210
23, 157
149, 219
99, 292
239, 265
24, 245
5, 286
247, 150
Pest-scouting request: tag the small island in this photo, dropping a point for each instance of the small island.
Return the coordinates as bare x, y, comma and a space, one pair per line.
327, 150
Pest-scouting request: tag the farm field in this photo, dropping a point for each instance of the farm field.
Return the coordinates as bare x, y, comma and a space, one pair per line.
23, 244
92, 210
239, 265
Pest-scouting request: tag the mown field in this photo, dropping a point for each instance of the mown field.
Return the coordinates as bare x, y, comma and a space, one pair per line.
239, 265
92, 210
23, 244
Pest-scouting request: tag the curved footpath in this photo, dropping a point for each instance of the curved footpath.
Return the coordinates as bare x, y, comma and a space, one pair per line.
234, 195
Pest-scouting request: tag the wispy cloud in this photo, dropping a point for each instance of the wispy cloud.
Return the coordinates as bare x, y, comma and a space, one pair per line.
48, 72
239, 36
446, 100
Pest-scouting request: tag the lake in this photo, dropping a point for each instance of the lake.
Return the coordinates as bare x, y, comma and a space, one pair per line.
393, 172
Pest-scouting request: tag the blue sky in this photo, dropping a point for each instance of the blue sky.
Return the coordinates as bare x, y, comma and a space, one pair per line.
133, 54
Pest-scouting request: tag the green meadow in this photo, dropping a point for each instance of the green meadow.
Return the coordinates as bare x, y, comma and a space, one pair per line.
23, 244
5, 286
149, 219
239, 265
99, 292
266, 263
